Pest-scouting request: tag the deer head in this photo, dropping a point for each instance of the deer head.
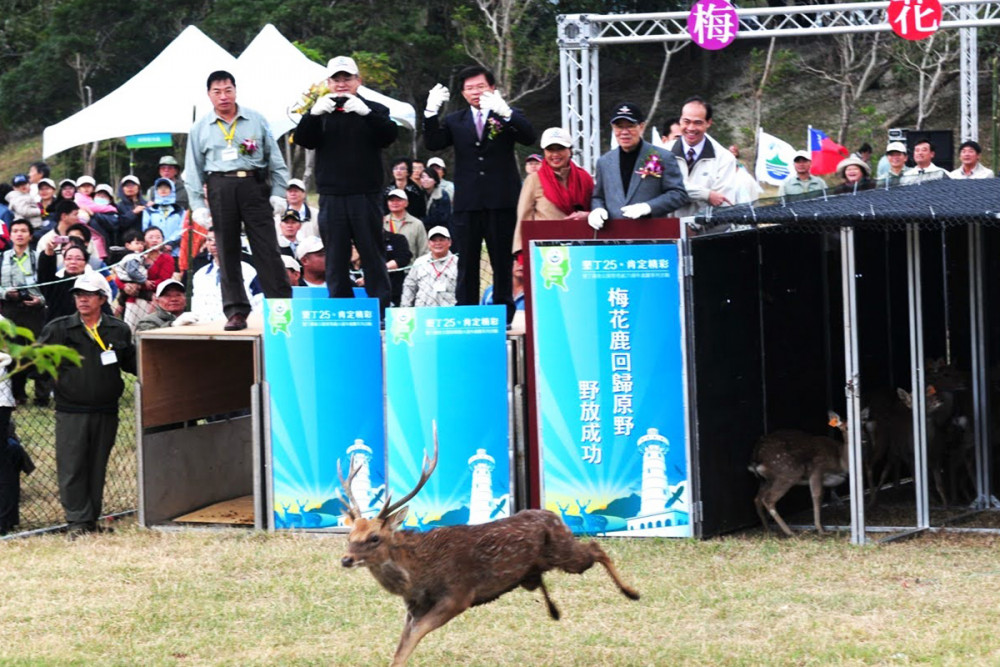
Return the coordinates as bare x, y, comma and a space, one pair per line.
369, 539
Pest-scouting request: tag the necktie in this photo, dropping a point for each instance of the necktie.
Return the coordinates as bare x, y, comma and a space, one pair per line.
479, 123
920, 171
690, 159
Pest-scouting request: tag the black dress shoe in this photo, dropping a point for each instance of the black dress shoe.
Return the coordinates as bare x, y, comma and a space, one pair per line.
236, 322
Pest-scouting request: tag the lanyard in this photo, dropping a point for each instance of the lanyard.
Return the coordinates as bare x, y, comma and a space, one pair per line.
22, 261
96, 336
437, 274
392, 223
228, 136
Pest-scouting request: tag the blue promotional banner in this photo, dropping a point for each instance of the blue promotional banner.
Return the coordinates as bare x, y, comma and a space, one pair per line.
323, 363
449, 365
610, 393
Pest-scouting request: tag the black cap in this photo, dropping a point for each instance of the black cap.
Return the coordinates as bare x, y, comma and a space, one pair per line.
292, 214
627, 111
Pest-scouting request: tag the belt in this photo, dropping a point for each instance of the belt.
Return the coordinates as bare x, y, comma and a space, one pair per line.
241, 173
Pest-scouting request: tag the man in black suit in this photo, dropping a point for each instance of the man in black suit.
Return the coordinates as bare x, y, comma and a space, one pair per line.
487, 183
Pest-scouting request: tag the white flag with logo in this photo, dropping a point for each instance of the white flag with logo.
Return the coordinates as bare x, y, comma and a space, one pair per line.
775, 159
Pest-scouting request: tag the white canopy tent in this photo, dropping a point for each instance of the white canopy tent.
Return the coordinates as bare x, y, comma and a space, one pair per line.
165, 96
169, 93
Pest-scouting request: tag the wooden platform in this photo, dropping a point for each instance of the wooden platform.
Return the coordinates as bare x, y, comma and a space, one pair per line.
235, 512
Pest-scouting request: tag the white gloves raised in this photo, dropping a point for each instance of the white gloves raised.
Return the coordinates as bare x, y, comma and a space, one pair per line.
356, 105
597, 217
278, 205
202, 216
636, 211
184, 319
492, 101
437, 96
325, 104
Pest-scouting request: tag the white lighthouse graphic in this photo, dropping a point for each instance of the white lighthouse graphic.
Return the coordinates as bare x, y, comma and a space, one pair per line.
654, 471
482, 465
359, 455
654, 514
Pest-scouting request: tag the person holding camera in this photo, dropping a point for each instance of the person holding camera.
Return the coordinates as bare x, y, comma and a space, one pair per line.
349, 133
23, 303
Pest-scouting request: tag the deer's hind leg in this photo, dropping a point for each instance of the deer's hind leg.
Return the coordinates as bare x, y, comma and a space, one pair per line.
533, 581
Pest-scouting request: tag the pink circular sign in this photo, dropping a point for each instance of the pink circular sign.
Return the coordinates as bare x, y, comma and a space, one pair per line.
712, 24
914, 19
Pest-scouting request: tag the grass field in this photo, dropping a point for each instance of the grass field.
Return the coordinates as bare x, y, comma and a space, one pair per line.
238, 598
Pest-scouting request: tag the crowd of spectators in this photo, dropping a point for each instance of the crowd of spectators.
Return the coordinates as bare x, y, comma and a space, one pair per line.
147, 259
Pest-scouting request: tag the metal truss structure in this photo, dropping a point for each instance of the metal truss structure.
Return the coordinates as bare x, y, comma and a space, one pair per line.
580, 36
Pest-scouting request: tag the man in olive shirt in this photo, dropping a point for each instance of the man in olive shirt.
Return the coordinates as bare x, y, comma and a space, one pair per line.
803, 181
232, 151
87, 398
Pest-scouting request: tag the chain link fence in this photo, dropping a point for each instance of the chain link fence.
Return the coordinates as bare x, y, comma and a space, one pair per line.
39, 498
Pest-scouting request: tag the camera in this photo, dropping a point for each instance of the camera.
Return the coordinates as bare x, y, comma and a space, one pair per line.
340, 101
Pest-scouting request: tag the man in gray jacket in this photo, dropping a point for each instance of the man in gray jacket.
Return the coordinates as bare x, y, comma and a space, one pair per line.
637, 179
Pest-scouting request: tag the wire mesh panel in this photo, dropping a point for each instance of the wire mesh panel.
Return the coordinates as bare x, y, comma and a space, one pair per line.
35, 427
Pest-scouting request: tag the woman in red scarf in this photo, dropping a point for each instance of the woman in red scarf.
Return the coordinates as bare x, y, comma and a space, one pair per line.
559, 191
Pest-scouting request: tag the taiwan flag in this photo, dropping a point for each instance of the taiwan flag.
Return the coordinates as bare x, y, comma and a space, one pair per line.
826, 153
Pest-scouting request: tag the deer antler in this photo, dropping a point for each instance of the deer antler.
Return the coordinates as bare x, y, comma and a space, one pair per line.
426, 469
354, 511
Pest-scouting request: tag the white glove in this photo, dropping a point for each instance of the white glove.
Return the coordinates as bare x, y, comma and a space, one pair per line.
5, 360
491, 101
184, 319
325, 104
278, 205
202, 216
597, 217
437, 96
636, 211
356, 105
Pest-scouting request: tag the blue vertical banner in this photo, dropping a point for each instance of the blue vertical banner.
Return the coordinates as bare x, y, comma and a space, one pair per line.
323, 364
449, 365
610, 387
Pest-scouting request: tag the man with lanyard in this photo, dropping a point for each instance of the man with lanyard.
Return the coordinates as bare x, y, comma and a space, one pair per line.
87, 398
232, 151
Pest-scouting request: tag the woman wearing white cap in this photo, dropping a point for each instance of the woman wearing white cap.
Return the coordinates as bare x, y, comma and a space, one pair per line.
131, 204
559, 190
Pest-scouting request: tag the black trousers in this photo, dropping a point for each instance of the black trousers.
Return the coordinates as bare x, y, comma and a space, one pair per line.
245, 200
343, 218
83, 446
496, 227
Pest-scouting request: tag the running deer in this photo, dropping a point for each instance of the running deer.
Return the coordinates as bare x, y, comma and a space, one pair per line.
442, 572
787, 458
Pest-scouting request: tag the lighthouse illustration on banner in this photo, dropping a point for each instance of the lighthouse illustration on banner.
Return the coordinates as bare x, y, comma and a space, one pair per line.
660, 506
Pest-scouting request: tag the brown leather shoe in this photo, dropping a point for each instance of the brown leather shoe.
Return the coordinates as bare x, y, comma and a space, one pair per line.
236, 322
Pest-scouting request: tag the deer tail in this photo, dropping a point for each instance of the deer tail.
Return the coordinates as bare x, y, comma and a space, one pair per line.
601, 557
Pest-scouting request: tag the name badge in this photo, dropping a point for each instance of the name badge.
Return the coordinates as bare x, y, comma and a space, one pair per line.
229, 154
440, 286
109, 357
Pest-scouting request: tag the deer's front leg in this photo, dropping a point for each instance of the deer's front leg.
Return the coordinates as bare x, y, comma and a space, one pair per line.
415, 628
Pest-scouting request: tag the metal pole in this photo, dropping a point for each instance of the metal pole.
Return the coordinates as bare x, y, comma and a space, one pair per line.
980, 394
919, 398
852, 388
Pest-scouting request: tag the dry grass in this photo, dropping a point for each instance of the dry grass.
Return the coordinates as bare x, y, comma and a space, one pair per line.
238, 598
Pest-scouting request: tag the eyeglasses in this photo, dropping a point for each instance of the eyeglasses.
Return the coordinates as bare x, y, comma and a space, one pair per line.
479, 87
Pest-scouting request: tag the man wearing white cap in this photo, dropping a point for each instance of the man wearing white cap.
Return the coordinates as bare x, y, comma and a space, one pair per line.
438, 165
432, 280
895, 155
232, 151
296, 196
311, 254
803, 181
348, 133
399, 221
87, 398
171, 301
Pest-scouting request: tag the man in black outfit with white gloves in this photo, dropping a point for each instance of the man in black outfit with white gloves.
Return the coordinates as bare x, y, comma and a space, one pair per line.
349, 133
